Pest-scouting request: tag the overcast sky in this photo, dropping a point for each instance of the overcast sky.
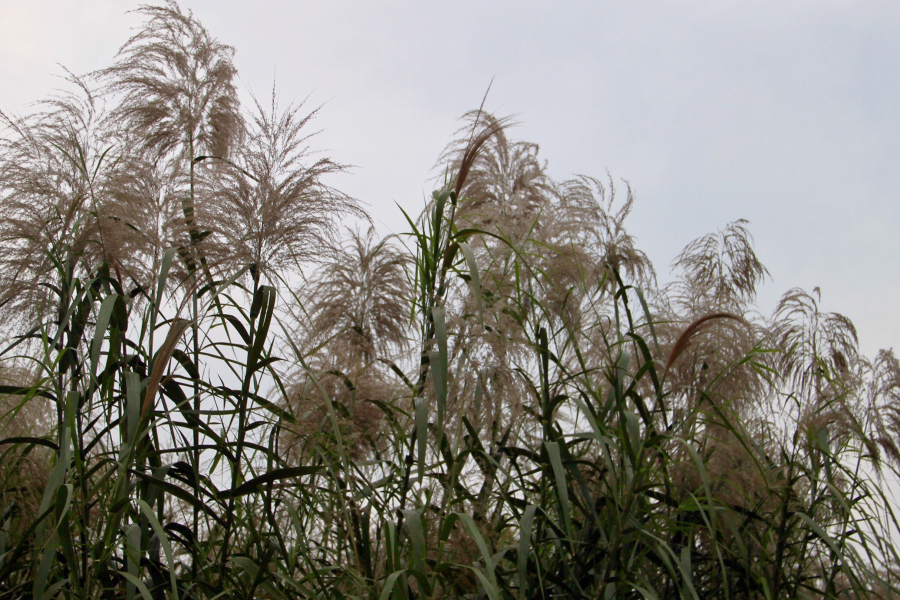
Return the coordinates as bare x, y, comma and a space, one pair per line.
783, 113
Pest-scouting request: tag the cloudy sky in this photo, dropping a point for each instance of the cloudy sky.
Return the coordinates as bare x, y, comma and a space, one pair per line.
783, 113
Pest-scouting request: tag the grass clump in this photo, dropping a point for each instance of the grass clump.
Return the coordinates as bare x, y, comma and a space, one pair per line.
208, 393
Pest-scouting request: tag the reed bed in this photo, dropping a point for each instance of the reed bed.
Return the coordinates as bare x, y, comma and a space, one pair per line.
211, 390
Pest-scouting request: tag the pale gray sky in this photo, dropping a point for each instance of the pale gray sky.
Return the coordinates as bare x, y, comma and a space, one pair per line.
783, 113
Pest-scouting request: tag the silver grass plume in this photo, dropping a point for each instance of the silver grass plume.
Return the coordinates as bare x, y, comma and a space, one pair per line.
816, 347
53, 180
499, 182
717, 275
355, 319
818, 362
142, 217
176, 97
721, 270
879, 403
358, 301
590, 215
176, 84
269, 206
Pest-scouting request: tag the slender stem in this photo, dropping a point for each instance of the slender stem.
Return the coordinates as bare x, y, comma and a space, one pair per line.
195, 342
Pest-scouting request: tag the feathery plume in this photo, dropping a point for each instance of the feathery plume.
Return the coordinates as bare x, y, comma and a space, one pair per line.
270, 206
